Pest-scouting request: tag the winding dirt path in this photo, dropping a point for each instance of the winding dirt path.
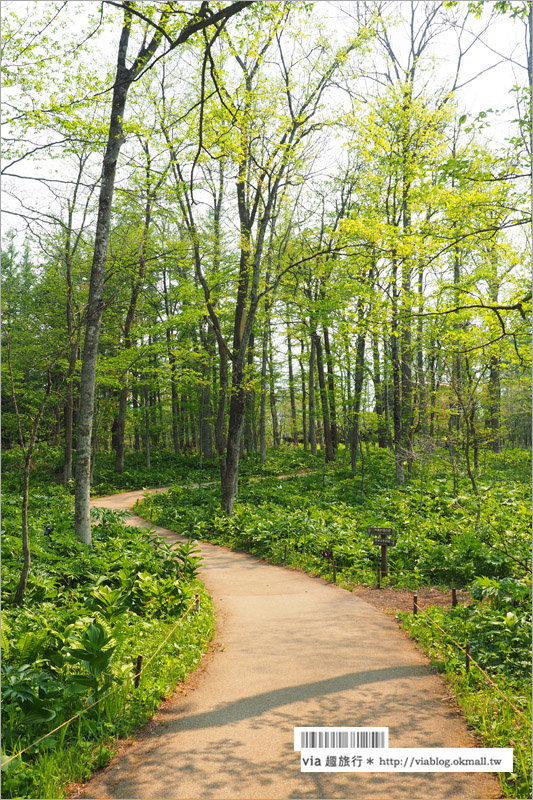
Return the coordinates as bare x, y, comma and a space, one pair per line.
290, 650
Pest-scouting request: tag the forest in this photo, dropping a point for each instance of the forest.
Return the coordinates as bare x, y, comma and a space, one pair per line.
276, 256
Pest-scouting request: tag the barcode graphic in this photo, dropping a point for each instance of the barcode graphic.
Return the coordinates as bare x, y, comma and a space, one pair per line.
342, 739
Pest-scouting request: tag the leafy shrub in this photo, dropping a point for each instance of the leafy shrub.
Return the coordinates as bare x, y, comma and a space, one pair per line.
85, 614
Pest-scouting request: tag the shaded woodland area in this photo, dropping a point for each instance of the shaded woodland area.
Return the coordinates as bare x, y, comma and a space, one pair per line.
294, 239
285, 241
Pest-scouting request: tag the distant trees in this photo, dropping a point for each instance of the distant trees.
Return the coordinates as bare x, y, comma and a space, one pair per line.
293, 239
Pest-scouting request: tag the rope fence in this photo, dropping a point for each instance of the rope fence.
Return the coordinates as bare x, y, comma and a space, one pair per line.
469, 659
337, 569
136, 678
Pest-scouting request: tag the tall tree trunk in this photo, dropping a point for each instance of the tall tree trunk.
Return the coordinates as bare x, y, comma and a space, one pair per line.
174, 396
26, 553
304, 396
95, 305
454, 423
125, 76
294, 425
406, 355
494, 387
27, 450
399, 454
135, 405
495, 403
331, 391
330, 454
357, 396
235, 428
422, 391
220, 437
312, 417
434, 387
262, 411
146, 415
272, 392
249, 422
379, 393
206, 413
136, 285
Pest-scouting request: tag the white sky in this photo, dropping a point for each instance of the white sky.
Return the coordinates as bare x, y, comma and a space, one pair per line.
504, 41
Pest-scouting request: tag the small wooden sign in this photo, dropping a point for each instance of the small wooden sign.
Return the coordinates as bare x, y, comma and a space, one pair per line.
380, 531
382, 539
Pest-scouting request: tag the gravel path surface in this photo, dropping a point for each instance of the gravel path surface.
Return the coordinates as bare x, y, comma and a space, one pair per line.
290, 650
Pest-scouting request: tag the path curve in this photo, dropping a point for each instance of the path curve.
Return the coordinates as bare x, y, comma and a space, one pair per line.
291, 650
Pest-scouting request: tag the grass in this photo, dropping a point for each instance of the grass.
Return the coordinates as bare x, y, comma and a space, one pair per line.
487, 709
128, 589
294, 520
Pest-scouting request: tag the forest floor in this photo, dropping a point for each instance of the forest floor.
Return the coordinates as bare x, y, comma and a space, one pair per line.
290, 650
391, 601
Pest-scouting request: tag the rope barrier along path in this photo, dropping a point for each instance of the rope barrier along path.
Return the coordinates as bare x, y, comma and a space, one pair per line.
104, 697
467, 653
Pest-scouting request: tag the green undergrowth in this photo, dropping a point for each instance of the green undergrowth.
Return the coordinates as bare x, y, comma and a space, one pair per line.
295, 520
166, 469
498, 632
87, 614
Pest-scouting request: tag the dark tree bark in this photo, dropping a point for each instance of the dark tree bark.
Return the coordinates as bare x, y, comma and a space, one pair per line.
359, 376
220, 438
249, 426
494, 387
27, 450
304, 395
136, 287
396, 379
330, 453
422, 391
331, 391
206, 414
95, 306
379, 394
262, 408
294, 425
272, 393
495, 403
312, 413
135, 405
146, 423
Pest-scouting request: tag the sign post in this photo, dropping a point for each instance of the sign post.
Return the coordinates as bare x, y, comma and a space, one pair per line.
382, 539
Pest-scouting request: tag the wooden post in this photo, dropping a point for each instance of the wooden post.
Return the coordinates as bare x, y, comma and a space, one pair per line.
384, 562
197, 602
415, 604
384, 541
467, 657
334, 572
454, 598
138, 667
285, 554
379, 578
